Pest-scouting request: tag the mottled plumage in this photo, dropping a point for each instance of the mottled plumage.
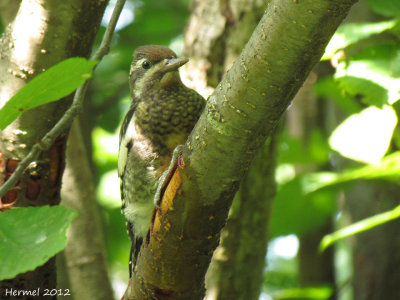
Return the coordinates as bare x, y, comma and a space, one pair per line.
162, 114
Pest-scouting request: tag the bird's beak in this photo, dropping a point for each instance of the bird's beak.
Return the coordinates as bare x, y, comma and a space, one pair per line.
173, 64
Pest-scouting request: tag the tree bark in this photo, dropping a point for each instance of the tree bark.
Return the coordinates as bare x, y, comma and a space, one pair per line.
85, 251
56, 30
237, 266
242, 112
216, 33
236, 270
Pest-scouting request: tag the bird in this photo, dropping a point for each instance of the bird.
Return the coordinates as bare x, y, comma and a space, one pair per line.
162, 114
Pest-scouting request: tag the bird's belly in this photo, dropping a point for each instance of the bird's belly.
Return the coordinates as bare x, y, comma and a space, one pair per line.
139, 187
139, 214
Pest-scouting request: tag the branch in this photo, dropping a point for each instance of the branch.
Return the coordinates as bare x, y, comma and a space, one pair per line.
242, 112
47, 141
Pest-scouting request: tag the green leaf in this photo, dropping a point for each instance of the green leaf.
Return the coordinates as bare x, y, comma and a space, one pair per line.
387, 169
388, 8
360, 226
376, 65
368, 91
349, 34
57, 82
30, 236
365, 136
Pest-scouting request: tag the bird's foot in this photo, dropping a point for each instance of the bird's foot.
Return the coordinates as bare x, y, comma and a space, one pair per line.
166, 176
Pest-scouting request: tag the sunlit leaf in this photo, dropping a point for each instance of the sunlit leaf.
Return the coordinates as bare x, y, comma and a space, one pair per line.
55, 83
387, 169
360, 226
30, 236
380, 66
348, 34
365, 136
312, 182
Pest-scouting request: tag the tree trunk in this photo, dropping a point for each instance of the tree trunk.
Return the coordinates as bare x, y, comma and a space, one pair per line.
236, 270
42, 34
85, 251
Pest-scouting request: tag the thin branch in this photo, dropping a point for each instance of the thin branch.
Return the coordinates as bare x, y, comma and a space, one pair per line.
66, 121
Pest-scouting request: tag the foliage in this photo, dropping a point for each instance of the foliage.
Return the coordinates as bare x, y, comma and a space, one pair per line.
58, 81
369, 72
363, 90
366, 87
360, 226
30, 236
348, 35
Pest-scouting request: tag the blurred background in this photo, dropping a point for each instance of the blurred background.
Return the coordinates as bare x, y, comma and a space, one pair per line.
336, 156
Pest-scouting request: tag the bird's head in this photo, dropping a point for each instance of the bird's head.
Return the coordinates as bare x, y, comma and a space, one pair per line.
154, 67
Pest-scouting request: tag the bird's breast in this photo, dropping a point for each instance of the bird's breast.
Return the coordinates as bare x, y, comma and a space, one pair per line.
167, 112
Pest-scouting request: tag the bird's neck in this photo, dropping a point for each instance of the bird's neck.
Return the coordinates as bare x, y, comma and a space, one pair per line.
170, 79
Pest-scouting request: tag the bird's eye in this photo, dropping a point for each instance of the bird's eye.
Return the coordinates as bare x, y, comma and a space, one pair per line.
145, 65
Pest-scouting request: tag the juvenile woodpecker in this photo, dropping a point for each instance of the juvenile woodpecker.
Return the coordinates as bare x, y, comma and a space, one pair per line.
162, 114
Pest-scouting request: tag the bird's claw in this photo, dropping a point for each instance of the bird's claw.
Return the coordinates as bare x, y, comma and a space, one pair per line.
162, 182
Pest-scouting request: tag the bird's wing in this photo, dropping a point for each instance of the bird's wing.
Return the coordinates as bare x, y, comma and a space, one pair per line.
125, 140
